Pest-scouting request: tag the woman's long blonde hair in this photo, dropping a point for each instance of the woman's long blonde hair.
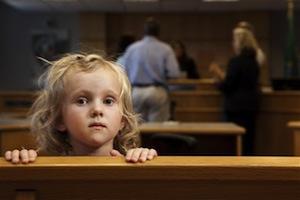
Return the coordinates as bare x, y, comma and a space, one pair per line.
46, 110
243, 38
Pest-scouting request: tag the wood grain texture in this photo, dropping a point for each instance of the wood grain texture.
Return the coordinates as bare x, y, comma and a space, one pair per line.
240, 178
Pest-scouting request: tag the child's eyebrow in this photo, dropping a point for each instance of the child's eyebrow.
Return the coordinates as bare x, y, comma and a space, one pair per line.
113, 93
75, 93
107, 92
80, 91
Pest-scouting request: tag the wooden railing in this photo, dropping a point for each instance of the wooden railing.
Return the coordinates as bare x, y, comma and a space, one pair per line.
234, 178
295, 129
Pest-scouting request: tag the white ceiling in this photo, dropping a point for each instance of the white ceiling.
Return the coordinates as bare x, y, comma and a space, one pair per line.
150, 6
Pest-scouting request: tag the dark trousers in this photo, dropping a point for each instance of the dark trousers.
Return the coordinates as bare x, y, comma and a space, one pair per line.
247, 120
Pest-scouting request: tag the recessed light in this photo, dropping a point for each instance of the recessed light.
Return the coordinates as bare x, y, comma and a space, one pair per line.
220, 1
142, 1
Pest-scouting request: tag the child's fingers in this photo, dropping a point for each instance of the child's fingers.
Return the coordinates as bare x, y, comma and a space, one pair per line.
152, 154
144, 155
129, 154
136, 154
32, 154
15, 156
115, 153
24, 156
8, 155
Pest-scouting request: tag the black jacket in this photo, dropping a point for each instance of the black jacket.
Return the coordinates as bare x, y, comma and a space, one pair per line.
240, 87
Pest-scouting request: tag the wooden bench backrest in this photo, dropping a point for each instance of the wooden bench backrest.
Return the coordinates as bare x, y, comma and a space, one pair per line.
232, 178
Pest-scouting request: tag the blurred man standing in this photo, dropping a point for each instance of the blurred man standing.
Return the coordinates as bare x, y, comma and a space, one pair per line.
149, 62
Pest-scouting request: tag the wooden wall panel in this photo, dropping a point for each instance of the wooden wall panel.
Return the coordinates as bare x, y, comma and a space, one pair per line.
207, 35
93, 32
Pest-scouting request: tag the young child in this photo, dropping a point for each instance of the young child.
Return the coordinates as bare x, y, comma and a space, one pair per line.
84, 108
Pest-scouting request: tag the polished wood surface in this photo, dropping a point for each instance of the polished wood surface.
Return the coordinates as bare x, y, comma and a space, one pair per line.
294, 124
198, 84
236, 178
295, 127
218, 128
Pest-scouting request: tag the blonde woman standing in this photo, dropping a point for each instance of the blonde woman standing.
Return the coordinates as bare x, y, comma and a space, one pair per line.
264, 78
239, 85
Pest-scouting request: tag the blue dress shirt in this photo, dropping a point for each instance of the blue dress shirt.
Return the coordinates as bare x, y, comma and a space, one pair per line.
150, 61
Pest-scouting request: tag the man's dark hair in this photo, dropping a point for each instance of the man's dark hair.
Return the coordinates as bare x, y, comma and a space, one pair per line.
151, 27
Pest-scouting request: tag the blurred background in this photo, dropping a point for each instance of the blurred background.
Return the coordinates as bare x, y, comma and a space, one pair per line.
48, 28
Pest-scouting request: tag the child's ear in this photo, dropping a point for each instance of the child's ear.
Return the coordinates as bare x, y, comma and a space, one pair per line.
123, 122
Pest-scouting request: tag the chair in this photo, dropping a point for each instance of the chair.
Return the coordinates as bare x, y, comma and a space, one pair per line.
174, 144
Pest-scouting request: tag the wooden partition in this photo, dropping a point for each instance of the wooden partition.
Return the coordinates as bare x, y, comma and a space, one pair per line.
197, 105
16, 103
206, 178
277, 108
15, 134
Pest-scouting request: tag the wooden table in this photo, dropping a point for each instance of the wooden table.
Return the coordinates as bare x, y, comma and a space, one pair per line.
295, 126
234, 178
197, 128
15, 133
197, 84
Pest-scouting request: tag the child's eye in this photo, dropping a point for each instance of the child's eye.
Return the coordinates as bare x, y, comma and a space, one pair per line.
109, 101
82, 101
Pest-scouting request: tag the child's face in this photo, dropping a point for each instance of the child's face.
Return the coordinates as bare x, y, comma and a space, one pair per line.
91, 110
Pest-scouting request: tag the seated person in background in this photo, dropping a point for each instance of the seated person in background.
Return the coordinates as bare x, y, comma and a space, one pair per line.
186, 63
84, 108
240, 86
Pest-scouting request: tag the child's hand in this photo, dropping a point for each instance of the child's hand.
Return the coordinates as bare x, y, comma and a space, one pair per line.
140, 155
24, 156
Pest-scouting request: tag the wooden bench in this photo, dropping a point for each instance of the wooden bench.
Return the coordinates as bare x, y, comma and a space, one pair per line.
197, 128
295, 127
79, 178
14, 133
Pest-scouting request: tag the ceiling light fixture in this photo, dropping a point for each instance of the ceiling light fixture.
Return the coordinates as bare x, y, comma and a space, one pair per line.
209, 1
141, 1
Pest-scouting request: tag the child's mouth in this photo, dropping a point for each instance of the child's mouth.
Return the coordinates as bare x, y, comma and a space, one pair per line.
97, 125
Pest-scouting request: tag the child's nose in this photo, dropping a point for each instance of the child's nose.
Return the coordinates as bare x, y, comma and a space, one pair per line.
97, 109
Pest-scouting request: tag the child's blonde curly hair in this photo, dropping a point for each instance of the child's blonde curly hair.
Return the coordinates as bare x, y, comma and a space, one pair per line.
46, 112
